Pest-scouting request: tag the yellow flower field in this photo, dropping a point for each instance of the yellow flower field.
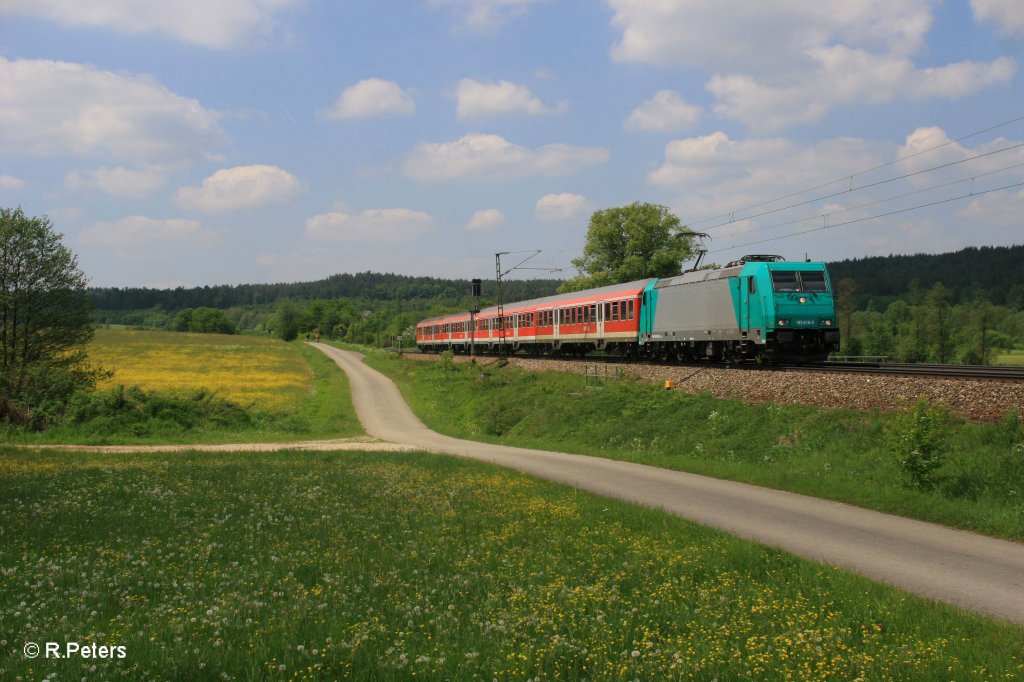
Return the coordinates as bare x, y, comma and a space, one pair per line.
261, 372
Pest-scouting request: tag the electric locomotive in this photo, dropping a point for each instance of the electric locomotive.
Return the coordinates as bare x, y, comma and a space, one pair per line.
758, 308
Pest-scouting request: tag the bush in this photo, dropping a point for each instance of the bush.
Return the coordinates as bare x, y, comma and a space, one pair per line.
132, 411
918, 439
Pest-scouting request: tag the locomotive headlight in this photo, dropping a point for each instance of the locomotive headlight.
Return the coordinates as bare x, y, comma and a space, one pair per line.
803, 299
783, 323
827, 323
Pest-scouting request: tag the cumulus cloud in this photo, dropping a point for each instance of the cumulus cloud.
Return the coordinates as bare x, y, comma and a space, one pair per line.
216, 25
119, 181
389, 225
666, 112
823, 54
240, 187
10, 182
485, 221
50, 108
843, 75
491, 157
556, 207
484, 15
476, 100
928, 147
690, 34
1008, 15
370, 98
719, 175
133, 233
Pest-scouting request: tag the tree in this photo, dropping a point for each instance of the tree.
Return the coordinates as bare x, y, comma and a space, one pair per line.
631, 242
846, 305
44, 322
287, 320
937, 304
211, 321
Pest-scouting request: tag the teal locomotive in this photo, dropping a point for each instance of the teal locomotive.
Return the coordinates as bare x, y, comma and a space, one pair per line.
758, 308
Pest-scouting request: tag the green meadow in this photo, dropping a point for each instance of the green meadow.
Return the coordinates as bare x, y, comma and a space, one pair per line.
298, 566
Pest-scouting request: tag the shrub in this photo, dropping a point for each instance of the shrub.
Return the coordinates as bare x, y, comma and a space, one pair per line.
918, 439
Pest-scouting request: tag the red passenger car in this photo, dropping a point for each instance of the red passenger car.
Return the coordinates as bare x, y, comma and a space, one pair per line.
607, 318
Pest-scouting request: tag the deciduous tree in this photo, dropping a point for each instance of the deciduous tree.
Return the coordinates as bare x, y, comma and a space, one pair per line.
44, 322
631, 242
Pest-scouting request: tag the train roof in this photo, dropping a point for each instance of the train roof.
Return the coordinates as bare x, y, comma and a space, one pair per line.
611, 291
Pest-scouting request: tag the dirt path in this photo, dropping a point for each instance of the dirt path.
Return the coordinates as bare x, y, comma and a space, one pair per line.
360, 443
968, 570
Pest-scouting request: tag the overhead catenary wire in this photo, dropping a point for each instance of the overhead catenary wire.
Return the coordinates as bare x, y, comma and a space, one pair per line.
826, 226
828, 214
849, 178
859, 188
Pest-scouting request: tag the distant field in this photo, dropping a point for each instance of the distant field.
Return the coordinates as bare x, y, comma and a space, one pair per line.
172, 387
248, 370
1014, 357
298, 566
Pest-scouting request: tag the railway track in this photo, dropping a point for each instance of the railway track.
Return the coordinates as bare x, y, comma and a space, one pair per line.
979, 372
987, 372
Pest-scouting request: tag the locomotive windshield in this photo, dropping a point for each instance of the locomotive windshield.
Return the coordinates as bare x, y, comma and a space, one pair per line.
785, 281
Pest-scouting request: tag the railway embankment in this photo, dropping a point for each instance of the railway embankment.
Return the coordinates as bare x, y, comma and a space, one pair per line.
976, 400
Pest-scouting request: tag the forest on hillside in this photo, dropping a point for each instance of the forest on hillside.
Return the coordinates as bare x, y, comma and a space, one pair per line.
966, 306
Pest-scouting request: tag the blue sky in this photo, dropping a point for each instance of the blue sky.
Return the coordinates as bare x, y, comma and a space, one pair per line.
192, 142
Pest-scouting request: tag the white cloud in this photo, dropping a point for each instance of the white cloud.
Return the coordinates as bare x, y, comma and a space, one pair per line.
52, 108
730, 35
666, 112
241, 187
718, 175
491, 157
484, 15
1002, 209
841, 76
476, 100
485, 221
119, 181
929, 147
743, 191
564, 206
373, 225
10, 182
215, 24
822, 54
1008, 15
130, 233
370, 98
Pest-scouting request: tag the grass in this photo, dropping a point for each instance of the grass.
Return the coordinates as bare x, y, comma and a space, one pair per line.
392, 566
171, 387
1013, 357
836, 454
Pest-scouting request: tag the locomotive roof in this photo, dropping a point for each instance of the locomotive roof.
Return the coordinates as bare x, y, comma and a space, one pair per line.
625, 288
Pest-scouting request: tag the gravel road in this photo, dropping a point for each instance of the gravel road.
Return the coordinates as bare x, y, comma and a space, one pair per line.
968, 570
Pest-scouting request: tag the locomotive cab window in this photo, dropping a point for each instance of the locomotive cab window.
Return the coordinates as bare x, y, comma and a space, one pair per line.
813, 280
786, 281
